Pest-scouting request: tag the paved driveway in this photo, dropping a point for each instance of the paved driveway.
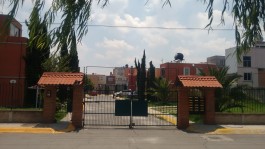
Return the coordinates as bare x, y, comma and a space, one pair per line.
100, 111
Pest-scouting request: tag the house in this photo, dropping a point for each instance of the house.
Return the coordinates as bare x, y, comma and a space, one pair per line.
98, 80
252, 67
170, 70
121, 81
218, 60
12, 64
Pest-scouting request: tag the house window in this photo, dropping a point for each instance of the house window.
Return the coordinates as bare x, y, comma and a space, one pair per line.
186, 71
14, 31
246, 61
247, 76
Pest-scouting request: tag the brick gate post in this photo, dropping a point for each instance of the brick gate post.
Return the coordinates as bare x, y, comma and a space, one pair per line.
77, 113
209, 116
49, 106
183, 108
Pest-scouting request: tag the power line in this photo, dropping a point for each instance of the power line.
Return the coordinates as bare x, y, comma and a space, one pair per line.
100, 66
152, 27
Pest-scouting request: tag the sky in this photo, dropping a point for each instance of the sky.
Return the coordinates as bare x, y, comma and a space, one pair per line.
118, 46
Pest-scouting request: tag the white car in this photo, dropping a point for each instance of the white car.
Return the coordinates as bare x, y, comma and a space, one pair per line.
123, 93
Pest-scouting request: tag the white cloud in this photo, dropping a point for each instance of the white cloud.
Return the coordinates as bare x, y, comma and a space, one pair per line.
115, 44
153, 40
202, 19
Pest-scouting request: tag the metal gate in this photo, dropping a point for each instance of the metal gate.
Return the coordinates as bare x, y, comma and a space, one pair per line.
99, 110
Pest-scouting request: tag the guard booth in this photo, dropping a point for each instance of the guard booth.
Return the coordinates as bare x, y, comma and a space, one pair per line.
207, 86
50, 81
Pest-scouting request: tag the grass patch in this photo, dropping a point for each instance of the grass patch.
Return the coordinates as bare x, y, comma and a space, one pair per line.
162, 103
249, 107
59, 115
196, 118
166, 109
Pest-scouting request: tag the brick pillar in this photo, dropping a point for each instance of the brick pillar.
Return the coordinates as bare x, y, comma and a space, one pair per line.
77, 114
49, 106
183, 108
209, 116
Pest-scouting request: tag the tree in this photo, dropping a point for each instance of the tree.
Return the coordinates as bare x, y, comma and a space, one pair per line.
57, 64
88, 84
36, 55
249, 16
150, 80
73, 58
224, 96
75, 15
64, 50
141, 77
161, 89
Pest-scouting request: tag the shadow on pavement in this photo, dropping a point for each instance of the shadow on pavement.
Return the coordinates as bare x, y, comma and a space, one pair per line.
202, 128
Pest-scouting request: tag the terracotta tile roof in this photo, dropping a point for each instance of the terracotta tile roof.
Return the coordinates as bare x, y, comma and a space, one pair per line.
199, 81
60, 78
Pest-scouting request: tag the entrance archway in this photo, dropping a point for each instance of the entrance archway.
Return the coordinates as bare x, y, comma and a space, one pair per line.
207, 85
50, 81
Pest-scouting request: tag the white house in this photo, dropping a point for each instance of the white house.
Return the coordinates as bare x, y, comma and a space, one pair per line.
251, 67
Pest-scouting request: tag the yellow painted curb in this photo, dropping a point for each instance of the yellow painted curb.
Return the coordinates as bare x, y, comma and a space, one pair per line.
26, 130
69, 128
168, 119
238, 131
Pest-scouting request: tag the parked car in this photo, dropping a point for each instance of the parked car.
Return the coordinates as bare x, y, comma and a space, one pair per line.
125, 93
117, 94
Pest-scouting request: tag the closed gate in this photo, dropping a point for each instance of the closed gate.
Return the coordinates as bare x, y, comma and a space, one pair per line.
105, 109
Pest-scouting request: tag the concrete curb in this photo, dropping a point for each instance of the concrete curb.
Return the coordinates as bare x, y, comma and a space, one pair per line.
69, 128
215, 129
224, 129
238, 131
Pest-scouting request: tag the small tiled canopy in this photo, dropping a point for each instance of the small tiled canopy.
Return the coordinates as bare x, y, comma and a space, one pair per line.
198, 81
61, 78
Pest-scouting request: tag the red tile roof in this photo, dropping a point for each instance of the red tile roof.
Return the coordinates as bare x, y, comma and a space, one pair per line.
60, 78
199, 81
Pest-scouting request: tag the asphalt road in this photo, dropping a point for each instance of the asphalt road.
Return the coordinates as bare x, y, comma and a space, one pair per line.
130, 139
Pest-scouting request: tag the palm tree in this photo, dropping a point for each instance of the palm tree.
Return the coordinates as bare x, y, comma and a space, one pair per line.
161, 89
224, 98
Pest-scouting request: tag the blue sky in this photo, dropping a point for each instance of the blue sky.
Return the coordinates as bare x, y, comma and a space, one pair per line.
115, 47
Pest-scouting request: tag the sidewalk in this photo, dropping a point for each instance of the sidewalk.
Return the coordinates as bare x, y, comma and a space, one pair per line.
226, 129
61, 127
66, 126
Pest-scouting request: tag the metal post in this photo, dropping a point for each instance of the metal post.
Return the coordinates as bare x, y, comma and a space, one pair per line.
131, 116
37, 95
12, 96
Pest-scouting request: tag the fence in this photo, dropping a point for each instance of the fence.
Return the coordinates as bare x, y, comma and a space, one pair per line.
13, 96
241, 100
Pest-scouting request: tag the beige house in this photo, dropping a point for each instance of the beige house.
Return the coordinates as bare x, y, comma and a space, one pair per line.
252, 67
97, 79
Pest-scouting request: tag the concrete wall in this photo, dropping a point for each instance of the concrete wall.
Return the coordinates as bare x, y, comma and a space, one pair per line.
240, 119
231, 60
21, 117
